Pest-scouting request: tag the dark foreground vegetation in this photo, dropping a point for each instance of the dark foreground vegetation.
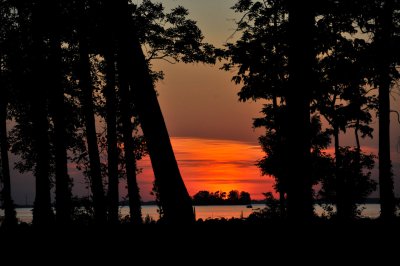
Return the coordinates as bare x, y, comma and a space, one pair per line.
219, 241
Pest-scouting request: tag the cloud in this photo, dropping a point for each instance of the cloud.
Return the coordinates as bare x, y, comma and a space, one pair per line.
212, 164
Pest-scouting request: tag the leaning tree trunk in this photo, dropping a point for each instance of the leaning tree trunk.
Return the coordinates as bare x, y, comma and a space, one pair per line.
174, 198
301, 56
90, 124
384, 56
10, 219
42, 212
63, 182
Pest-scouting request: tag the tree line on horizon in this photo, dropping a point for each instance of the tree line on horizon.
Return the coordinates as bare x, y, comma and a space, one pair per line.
77, 85
233, 197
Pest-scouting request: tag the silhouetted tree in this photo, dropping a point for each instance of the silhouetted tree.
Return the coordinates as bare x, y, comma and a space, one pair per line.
58, 110
233, 196
38, 98
276, 65
6, 29
272, 144
127, 127
5, 196
175, 201
301, 55
343, 98
385, 48
261, 54
201, 198
372, 64
356, 169
341, 117
273, 164
244, 197
112, 143
88, 110
10, 219
111, 116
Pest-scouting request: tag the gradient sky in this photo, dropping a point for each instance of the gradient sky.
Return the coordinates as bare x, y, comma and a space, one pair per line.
212, 135
211, 132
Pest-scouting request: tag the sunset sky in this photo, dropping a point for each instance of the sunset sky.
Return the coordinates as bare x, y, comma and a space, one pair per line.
206, 121
211, 132
212, 135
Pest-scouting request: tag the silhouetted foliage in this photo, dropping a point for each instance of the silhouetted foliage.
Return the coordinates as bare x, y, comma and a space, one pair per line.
83, 211
327, 73
356, 171
271, 212
272, 164
70, 52
274, 64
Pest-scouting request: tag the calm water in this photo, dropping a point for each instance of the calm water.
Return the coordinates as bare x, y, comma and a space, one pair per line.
204, 212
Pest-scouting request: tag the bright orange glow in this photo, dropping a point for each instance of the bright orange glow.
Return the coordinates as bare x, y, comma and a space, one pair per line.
213, 165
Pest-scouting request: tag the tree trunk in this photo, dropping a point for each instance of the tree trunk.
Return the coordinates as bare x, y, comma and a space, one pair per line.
90, 124
130, 160
340, 181
112, 149
63, 182
301, 56
384, 56
42, 212
111, 117
10, 219
174, 198
351, 182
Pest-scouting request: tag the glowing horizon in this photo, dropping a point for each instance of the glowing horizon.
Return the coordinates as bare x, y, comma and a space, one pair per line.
213, 165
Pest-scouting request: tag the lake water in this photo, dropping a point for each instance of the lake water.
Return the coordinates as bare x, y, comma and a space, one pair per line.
204, 212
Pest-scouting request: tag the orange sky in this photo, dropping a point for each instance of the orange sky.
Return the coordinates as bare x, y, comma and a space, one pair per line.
213, 165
